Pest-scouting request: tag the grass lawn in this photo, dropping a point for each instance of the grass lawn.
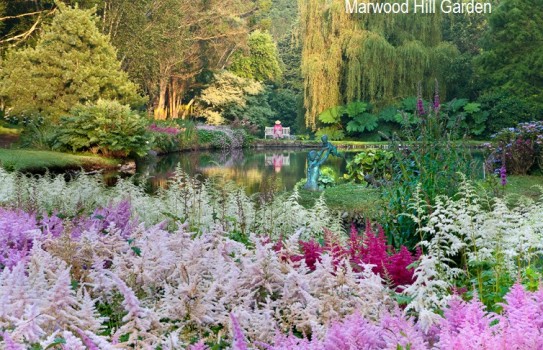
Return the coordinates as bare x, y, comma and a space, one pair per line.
347, 197
524, 185
31, 160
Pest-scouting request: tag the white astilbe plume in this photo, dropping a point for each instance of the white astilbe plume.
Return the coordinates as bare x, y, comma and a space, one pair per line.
72, 342
428, 292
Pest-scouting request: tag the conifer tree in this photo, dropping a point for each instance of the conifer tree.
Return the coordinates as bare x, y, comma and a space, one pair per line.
72, 63
513, 60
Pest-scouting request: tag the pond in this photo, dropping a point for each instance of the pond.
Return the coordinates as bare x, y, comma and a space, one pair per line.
254, 170
251, 169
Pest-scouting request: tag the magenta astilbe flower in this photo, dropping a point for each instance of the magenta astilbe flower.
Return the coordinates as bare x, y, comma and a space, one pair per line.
312, 253
101, 219
239, 339
376, 249
397, 267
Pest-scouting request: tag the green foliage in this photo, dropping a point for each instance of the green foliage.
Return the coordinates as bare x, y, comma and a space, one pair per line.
468, 117
285, 105
328, 177
332, 131
228, 92
505, 110
106, 127
215, 138
512, 61
262, 61
72, 63
428, 156
374, 162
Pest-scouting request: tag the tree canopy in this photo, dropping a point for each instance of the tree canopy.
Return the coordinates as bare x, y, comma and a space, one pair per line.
373, 57
513, 57
72, 63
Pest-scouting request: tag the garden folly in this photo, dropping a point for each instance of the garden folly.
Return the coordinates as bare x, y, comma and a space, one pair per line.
417, 6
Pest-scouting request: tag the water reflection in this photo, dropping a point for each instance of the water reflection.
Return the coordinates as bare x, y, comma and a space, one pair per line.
277, 161
247, 168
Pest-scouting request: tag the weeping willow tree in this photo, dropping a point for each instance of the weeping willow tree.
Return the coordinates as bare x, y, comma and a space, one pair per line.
373, 57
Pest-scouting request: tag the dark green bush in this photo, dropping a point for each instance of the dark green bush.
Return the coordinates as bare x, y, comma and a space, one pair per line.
106, 127
377, 163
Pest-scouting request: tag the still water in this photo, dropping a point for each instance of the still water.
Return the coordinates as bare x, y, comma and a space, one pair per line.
253, 170
250, 169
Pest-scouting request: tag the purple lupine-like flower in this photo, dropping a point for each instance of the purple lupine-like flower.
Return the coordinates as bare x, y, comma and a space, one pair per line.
503, 175
420, 107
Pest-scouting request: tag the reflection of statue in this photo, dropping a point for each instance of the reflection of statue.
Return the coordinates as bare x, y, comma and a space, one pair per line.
314, 161
329, 146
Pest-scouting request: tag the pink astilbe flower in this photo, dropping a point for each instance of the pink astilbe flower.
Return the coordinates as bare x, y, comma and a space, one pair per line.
199, 346
17, 232
355, 332
72, 342
10, 344
52, 225
237, 334
401, 332
138, 320
520, 318
466, 326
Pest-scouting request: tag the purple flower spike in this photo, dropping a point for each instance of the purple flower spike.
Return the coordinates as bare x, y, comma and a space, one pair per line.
503, 175
420, 107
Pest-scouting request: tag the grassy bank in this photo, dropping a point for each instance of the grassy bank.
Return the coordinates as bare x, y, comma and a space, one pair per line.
31, 160
348, 197
524, 185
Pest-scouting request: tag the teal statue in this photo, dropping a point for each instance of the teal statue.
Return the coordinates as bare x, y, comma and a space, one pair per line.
314, 161
331, 147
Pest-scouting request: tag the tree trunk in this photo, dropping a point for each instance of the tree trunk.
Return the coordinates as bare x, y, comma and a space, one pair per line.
160, 109
175, 101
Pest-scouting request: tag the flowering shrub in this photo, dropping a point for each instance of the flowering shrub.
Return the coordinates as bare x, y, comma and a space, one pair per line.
519, 149
166, 130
